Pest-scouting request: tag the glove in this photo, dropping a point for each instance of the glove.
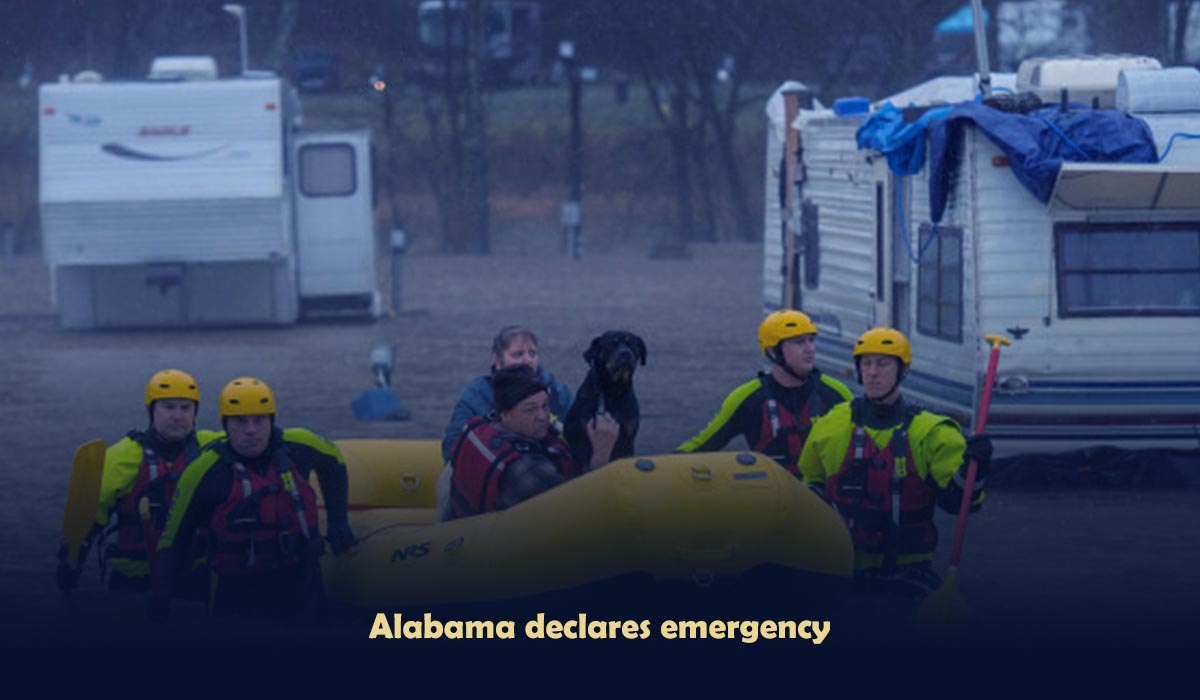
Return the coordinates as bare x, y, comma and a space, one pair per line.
66, 577
341, 538
979, 448
158, 606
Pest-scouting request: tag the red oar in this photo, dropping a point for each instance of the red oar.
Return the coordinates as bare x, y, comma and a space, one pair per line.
945, 605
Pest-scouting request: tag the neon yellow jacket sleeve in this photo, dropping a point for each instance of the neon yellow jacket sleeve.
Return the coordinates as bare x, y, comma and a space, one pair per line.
121, 462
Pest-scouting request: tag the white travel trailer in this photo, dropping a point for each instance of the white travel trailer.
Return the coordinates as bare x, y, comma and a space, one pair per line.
1099, 290
187, 200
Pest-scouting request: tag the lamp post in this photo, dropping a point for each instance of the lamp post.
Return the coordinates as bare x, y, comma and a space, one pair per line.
240, 12
571, 214
981, 48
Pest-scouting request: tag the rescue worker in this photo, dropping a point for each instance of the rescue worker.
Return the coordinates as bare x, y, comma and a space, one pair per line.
775, 411
885, 464
514, 452
513, 345
251, 491
144, 464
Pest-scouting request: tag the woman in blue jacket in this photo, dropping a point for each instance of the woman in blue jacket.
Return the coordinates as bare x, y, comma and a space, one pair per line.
513, 345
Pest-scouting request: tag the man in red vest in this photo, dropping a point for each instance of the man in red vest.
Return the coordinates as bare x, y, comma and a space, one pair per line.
514, 453
144, 464
251, 492
775, 411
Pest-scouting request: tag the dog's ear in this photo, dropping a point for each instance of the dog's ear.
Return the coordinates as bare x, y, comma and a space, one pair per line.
589, 355
640, 344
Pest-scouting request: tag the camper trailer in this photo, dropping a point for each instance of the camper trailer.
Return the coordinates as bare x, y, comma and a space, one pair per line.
1099, 290
189, 200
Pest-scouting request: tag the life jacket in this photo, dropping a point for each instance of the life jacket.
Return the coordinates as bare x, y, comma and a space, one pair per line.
156, 479
887, 505
480, 456
267, 523
783, 433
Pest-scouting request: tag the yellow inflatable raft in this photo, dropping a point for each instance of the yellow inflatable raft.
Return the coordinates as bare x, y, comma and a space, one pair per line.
673, 517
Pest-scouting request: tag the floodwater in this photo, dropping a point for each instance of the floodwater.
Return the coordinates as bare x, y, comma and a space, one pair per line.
1110, 568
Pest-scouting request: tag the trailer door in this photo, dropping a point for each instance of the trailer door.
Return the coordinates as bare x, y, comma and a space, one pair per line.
334, 219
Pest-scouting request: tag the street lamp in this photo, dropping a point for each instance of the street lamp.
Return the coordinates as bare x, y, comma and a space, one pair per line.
239, 12
571, 210
981, 52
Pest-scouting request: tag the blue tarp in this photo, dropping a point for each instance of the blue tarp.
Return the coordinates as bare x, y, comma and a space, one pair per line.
961, 22
903, 144
1036, 143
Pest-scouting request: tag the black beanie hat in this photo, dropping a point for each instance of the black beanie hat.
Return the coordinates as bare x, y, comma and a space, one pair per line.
514, 384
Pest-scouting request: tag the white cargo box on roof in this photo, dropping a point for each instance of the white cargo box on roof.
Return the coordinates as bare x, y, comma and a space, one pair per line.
183, 68
1169, 90
1083, 77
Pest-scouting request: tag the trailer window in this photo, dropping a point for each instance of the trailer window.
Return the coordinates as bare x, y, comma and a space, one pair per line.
940, 284
810, 231
327, 170
1128, 269
879, 256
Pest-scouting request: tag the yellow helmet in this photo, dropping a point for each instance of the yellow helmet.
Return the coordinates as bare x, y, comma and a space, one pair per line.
246, 396
171, 384
781, 325
884, 341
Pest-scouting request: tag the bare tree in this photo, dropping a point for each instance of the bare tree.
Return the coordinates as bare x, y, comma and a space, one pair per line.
1178, 53
650, 32
905, 28
455, 155
1119, 26
724, 41
285, 26
678, 50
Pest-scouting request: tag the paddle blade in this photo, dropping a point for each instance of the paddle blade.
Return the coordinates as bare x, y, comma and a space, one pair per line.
944, 607
83, 496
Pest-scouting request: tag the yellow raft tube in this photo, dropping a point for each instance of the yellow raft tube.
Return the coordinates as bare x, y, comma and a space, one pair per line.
675, 517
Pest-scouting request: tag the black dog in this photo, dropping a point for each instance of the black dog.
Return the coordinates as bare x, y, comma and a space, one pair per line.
612, 359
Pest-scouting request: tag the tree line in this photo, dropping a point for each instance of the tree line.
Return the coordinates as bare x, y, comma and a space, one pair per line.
693, 60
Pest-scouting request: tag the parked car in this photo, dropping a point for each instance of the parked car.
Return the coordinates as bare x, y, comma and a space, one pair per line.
314, 71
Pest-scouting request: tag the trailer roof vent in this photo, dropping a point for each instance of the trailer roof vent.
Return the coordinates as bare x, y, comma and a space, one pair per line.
183, 68
1086, 79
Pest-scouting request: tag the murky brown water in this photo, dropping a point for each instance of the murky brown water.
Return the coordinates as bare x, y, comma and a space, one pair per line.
1054, 562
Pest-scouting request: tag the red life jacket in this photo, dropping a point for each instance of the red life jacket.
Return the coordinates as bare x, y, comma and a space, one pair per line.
480, 456
268, 522
887, 506
784, 433
156, 478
